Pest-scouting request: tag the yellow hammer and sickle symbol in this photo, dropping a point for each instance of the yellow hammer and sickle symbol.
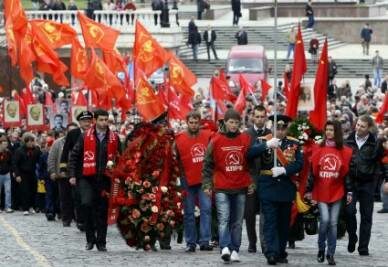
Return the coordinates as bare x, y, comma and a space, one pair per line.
96, 32
100, 72
80, 58
146, 52
144, 95
177, 74
51, 33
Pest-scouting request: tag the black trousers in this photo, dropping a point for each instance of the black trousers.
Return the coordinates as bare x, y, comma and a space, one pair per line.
65, 200
276, 227
364, 194
251, 209
95, 209
236, 18
208, 46
16, 194
28, 187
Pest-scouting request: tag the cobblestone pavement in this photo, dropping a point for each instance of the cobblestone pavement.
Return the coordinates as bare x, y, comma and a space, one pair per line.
32, 241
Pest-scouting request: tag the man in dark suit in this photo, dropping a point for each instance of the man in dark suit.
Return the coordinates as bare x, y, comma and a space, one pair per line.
252, 205
210, 36
241, 36
276, 189
65, 190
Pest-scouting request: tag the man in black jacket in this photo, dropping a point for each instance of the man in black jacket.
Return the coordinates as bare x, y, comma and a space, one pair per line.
241, 36
210, 36
94, 152
364, 168
65, 191
252, 206
24, 165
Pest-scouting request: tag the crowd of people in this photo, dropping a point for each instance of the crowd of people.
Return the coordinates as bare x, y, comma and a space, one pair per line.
230, 165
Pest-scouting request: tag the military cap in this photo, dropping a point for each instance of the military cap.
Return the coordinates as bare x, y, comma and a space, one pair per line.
281, 120
85, 115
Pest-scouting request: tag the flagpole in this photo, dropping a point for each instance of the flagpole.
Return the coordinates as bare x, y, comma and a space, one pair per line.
275, 66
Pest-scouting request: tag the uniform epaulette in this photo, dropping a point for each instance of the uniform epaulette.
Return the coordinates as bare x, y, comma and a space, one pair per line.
292, 138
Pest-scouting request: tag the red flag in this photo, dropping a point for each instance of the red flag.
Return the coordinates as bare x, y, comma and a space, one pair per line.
47, 59
27, 96
78, 99
264, 89
220, 90
240, 103
11, 41
148, 104
26, 57
383, 110
14, 11
100, 78
56, 34
298, 70
79, 60
97, 35
181, 78
148, 54
318, 116
114, 60
245, 85
48, 100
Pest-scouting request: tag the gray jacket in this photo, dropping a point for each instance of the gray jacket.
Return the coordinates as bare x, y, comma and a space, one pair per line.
377, 62
54, 157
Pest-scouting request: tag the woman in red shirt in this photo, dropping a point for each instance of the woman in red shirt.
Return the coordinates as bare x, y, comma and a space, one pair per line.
327, 185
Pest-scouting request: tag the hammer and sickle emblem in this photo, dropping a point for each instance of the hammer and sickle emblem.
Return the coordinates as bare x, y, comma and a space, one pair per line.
330, 164
146, 52
50, 31
233, 158
177, 74
80, 58
88, 156
100, 71
96, 32
143, 96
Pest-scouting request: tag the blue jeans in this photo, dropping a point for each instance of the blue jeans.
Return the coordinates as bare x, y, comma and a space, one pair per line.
194, 47
230, 214
377, 77
290, 50
205, 218
310, 23
5, 179
329, 213
384, 197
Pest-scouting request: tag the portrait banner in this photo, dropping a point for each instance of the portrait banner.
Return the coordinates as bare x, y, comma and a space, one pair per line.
306, 98
11, 113
35, 117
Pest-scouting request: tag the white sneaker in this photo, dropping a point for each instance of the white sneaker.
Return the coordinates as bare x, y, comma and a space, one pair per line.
26, 213
31, 211
8, 210
225, 254
234, 257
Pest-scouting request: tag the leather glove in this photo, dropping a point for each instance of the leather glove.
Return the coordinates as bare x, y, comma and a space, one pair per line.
277, 171
273, 143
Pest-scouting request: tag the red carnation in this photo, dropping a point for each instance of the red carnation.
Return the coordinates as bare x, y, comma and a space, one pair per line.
135, 214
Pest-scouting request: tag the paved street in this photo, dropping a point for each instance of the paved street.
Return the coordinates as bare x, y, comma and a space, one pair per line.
32, 241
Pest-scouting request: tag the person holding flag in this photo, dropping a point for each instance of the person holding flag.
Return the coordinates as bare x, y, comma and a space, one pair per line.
276, 188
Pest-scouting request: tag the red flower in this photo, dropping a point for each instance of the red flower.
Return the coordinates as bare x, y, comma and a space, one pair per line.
135, 214
156, 173
146, 184
170, 213
160, 226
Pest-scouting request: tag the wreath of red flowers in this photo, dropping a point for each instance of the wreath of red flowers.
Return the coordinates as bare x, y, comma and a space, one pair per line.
149, 198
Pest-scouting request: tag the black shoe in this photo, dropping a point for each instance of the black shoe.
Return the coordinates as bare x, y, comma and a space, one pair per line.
352, 244
383, 211
81, 227
363, 253
179, 240
101, 247
291, 244
321, 256
66, 224
190, 249
89, 246
282, 260
165, 247
330, 260
271, 260
205, 247
252, 249
50, 217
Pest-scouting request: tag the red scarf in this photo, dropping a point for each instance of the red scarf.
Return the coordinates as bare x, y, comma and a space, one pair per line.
89, 164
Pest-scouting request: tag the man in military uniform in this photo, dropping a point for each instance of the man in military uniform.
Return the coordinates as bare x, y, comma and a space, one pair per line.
85, 119
276, 189
252, 207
